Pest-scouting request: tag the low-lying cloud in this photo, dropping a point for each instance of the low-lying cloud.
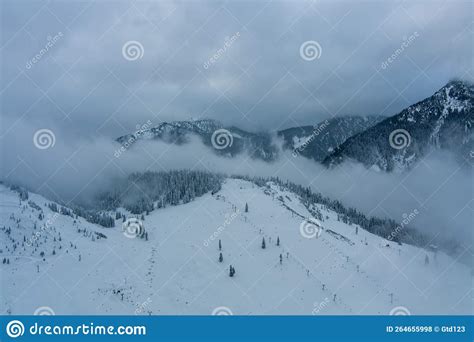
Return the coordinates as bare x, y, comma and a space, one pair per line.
76, 169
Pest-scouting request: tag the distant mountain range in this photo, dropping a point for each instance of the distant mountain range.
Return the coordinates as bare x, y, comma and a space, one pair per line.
320, 141
442, 121
228, 141
314, 142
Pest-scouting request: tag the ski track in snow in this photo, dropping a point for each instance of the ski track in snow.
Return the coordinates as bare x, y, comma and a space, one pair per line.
175, 272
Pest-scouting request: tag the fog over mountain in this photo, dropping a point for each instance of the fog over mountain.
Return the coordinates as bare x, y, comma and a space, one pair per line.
84, 86
79, 172
251, 121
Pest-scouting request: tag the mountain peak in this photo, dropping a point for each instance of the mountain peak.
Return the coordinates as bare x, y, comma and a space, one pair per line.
458, 90
441, 121
200, 125
459, 83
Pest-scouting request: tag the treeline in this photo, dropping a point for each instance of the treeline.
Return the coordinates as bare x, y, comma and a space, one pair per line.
92, 216
142, 192
22, 192
378, 226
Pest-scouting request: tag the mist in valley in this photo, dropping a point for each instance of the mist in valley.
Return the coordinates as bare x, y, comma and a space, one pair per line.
435, 194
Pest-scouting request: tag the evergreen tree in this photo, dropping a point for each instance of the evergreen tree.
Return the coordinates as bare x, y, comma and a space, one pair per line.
263, 243
281, 259
220, 245
380, 227
221, 258
278, 241
246, 208
178, 187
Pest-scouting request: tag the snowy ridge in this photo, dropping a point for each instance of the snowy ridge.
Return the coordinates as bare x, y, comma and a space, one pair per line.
257, 145
346, 270
319, 141
441, 121
314, 142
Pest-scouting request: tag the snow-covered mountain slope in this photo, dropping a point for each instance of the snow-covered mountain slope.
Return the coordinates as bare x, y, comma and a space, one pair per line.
313, 142
226, 141
319, 141
343, 269
441, 121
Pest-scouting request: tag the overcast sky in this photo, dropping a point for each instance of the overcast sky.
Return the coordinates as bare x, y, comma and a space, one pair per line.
83, 86
90, 71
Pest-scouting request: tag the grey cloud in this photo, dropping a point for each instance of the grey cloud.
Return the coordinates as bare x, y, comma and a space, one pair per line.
260, 82
82, 87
